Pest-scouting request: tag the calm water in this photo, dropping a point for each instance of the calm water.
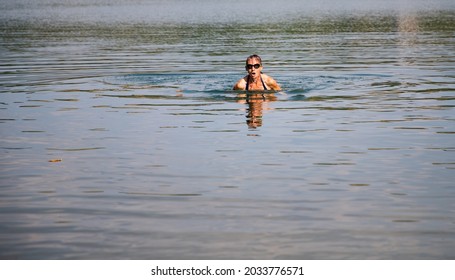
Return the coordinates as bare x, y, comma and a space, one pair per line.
122, 139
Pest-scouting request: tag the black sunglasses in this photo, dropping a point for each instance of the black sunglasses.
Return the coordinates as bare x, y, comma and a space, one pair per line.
250, 66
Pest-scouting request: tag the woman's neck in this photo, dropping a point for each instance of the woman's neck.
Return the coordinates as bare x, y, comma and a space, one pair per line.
255, 80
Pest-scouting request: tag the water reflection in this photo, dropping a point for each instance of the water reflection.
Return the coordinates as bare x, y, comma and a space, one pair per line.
257, 102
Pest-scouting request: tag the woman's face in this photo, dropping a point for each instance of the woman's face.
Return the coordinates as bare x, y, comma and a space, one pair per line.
251, 65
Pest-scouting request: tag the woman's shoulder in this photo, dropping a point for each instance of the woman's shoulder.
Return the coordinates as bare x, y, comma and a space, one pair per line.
266, 77
243, 80
270, 82
241, 84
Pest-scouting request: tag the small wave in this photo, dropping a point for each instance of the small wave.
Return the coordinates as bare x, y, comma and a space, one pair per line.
219, 85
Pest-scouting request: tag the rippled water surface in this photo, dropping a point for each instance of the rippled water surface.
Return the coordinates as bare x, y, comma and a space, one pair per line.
122, 139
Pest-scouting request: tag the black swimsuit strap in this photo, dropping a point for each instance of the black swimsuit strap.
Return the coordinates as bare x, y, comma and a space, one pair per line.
263, 84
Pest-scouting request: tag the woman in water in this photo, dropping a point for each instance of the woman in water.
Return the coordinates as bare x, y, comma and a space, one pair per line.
256, 80
256, 83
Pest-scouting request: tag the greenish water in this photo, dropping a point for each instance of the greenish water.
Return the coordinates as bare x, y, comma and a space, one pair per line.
122, 139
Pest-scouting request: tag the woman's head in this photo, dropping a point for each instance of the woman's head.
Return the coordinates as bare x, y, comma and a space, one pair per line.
254, 65
254, 57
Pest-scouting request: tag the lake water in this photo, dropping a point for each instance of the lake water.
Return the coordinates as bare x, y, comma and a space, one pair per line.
122, 139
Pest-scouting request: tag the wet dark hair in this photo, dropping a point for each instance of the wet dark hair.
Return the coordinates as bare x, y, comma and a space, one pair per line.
254, 56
